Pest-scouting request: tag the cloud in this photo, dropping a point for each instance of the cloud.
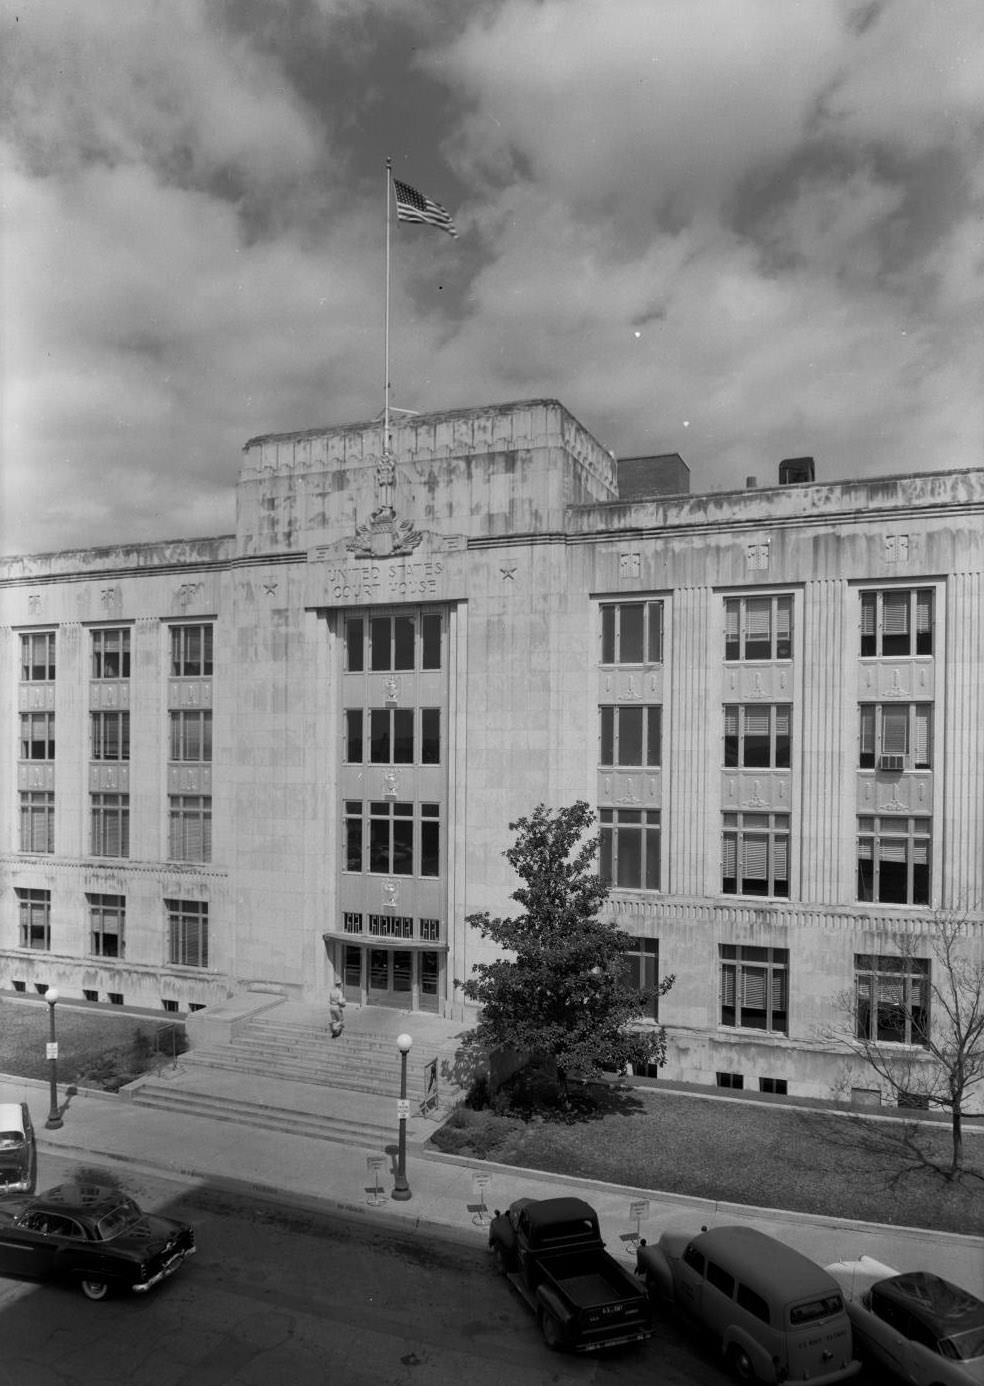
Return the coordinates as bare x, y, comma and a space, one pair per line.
762, 220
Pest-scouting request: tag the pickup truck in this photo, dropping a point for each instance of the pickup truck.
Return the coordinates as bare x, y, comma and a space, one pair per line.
551, 1252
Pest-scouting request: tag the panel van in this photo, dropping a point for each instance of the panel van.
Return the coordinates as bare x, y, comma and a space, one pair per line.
776, 1315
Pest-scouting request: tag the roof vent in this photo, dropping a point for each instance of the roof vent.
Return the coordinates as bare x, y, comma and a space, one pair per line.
795, 470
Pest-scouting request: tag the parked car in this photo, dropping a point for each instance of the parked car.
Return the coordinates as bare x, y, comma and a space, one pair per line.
925, 1330
551, 1252
18, 1149
92, 1235
775, 1314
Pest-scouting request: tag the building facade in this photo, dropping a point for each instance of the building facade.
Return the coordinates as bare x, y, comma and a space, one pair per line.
273, 758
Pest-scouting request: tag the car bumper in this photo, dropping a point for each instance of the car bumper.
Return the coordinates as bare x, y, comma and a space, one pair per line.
169, 1267
617, 1340
16, 1186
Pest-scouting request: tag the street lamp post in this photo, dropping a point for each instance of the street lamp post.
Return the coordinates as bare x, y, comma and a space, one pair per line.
54, 1116
401, 1189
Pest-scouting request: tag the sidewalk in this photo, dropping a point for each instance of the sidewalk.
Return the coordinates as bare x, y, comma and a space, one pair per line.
447, 1192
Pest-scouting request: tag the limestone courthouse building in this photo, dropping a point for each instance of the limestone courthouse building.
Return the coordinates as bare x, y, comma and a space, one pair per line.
289, 754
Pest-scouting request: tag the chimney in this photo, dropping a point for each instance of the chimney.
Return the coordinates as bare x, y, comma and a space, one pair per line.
794, 471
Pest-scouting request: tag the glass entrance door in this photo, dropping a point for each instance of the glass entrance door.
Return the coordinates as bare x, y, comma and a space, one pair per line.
391, 977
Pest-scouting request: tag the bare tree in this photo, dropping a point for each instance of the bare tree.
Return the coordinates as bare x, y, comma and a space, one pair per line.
918, 1021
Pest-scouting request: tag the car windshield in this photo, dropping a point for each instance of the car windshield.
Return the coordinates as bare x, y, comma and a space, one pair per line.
964, 1347
117, 1220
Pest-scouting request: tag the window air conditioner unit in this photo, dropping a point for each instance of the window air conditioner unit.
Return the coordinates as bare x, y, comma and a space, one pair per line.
892, 763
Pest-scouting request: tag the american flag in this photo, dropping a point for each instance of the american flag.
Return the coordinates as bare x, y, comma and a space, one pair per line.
414, 206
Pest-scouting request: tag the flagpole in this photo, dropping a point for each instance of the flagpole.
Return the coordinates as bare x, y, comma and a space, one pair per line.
386, 373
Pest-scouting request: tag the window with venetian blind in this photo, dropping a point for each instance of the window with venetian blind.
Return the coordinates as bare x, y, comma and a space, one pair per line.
891, 998
754, 987
897, 622
190, 827
894, 860
896, 736
758, 628
756, 736
755, 854
110, 825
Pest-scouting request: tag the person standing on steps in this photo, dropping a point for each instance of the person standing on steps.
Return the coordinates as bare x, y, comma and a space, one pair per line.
336, 1010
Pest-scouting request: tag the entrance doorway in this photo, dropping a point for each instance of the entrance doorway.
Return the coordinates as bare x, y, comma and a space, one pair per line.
406, 978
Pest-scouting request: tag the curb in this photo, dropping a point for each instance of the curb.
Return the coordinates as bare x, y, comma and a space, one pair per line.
281, 1198
447, 1230
712, 1206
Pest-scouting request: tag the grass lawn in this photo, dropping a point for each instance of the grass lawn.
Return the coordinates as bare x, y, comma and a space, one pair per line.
811, 1161
96, 1048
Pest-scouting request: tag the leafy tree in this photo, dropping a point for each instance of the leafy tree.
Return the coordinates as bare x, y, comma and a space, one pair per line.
942, 1012
560, 992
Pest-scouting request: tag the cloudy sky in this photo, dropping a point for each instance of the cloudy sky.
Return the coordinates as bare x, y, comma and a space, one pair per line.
736, 229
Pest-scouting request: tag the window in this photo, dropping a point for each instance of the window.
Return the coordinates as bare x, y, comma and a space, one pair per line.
897, 622
390, 643
190, 827
34, 910
37, 820
753, 1302
893, 860
187, 922
629, 848
393, 737
754, 987
37, 736
110, 735
391, 925
631, 735
430, 839
191, 735
891, 999
777, 1086
353, 834
730, 1080
391, 838
353, 736
38, 657
107, 915
430, 930
755, 854
191, 651
632, 633
756, 736
758, 628
351, 922
111, 654
896, 736
394, 830
720, 1278
640, 970
110, 825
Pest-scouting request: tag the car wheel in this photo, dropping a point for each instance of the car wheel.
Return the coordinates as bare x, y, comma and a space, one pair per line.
94, 1288
553, 1334
741, 1365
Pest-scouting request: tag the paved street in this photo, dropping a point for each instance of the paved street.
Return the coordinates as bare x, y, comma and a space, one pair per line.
278, 1294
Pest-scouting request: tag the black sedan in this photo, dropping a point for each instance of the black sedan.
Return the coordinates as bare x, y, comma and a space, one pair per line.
93, 1235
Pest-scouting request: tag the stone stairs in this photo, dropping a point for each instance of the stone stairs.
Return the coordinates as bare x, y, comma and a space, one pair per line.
296, 1052
344, 1129
287, 1074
